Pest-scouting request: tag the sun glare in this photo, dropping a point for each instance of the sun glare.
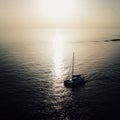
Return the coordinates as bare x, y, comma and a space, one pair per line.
58, 47
58, 10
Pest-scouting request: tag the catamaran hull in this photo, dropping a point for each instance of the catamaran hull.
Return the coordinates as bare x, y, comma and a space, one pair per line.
69, 83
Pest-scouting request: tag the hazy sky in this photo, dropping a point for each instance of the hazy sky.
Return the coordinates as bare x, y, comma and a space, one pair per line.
59, 13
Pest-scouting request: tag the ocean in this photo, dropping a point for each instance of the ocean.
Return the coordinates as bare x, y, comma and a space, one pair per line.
35, 62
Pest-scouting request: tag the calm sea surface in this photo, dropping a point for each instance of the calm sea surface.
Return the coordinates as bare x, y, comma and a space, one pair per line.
35, 63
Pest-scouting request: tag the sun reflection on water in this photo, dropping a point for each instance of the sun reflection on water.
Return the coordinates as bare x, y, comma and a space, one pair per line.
58, 68
58, 48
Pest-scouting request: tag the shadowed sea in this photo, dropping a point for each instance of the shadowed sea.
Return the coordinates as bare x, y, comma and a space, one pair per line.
32, 72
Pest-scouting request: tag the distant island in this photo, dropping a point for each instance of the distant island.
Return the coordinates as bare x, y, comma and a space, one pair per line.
112, 40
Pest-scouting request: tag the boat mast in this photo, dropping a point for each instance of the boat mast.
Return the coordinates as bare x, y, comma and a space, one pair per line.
73, 65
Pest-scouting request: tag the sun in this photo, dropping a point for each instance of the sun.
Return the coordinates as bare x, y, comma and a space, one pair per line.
58, 10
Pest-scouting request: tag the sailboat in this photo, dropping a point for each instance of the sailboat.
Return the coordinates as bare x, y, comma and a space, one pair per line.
76, 80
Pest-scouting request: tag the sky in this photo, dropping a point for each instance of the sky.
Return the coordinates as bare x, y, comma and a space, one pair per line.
59, 13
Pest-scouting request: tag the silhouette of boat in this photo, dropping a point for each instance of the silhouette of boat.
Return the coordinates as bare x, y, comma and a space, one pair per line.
76, 80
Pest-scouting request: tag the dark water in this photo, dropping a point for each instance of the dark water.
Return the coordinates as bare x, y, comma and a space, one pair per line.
32, 75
